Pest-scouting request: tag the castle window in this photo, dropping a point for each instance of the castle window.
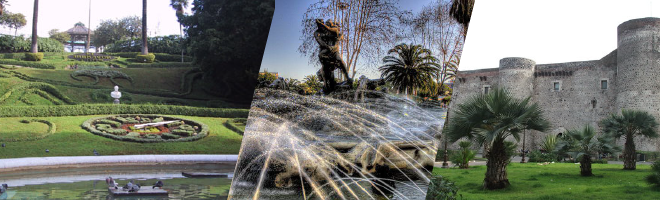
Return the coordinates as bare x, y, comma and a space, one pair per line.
603, 84
486, 89
557, 86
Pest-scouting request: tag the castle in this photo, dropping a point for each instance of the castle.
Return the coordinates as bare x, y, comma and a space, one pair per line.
574, 94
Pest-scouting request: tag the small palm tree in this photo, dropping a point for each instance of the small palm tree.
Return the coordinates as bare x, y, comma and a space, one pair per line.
413, 67
490, 119
582, 144
464, 155
630, 124
312, 85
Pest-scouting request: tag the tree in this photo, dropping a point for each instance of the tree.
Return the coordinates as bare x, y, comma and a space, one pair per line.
145, 45
13, 21
59, 36
3, 4
111, 31
654, 177
630, 124
311, 84
35, 38
491, 118
367, 27
413, 67
227, 40
461, 10
582, 144
464, 155
179, 6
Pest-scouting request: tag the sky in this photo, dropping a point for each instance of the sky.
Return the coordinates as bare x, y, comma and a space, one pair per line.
282, 54
547, 32
63, 14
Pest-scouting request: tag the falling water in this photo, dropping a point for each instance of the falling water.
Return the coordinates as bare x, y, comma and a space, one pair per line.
341, 146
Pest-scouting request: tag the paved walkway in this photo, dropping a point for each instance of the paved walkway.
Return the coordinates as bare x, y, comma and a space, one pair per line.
32, 162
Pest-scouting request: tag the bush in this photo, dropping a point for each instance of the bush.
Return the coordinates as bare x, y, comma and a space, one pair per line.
101, 109
165, 57
44, 87
159, 65
169, 136
654, 177
231, 126
34, 56
464, 155
441, 189
161, 44
538, 156
149, 58
19, 44
38, 65
95, 73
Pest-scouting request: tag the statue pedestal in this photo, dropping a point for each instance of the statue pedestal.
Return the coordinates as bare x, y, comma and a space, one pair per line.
116, 101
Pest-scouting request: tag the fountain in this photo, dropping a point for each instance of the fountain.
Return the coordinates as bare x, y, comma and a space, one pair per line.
336, 147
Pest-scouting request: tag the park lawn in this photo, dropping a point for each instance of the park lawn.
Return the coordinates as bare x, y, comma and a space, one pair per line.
556, 181
71, 140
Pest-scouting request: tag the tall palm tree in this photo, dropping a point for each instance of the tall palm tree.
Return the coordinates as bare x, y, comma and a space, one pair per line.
491, 118
630, 124
582, 144
413, 67
145, 46
179, 6
34, 48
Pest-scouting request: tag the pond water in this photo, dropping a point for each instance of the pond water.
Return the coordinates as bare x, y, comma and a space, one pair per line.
89, 182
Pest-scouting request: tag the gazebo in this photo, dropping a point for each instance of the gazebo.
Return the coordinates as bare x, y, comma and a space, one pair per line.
79, 34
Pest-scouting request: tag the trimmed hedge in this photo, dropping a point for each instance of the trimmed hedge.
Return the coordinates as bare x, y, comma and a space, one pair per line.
151, 138
162, 57
34, 56
160, 65
51, 129
231, 126
38, 86
95, 73
149, 58
31, 64
103, 109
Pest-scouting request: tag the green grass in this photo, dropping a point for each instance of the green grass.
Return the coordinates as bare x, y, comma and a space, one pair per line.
71, 140
556, 181
14, 130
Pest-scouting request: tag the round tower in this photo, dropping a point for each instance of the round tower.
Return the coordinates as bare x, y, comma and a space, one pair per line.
517, 76
638, 66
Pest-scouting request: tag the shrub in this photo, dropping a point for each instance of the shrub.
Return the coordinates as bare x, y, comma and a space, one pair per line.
96, 73
464, 155
538, 156
110, 122
34, 56
47, 88
231, 126
39, 65
441, 189
654, 177
101, 109
149, 58
169, 136
133, 134
159, 65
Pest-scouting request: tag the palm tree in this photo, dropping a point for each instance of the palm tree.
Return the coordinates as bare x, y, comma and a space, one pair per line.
145, 46
3, 3
491, 118
34, 47
582, 144
461, 10
179, 6
312, 84
629, 124
413, 67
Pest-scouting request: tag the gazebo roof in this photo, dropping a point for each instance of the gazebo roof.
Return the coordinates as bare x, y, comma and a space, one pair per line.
78, 30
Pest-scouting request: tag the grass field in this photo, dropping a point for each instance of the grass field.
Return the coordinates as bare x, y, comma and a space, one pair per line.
71, 140
556, 181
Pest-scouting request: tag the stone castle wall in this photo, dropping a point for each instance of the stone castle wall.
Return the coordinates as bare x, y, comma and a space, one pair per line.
631, 72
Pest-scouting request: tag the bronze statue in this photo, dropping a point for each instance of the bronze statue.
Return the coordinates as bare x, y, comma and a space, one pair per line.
328, 37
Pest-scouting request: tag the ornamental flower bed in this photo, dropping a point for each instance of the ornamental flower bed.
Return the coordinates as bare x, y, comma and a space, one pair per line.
122, 127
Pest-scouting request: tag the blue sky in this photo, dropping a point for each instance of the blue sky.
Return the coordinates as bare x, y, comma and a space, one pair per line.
282, 54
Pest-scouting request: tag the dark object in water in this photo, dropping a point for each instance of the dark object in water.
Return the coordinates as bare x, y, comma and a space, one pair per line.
158, 184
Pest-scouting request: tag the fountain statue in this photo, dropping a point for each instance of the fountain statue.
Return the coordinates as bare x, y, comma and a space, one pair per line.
335, 146
328, 36
116, 95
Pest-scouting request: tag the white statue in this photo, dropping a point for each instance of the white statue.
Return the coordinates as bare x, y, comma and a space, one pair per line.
116, 94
